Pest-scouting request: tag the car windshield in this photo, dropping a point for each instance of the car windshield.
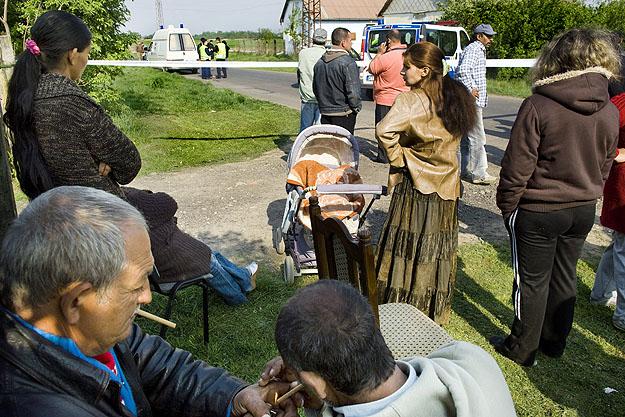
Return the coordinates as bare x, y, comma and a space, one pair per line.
378, 37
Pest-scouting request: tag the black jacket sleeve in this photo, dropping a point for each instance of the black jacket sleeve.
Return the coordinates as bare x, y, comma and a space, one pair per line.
174, 383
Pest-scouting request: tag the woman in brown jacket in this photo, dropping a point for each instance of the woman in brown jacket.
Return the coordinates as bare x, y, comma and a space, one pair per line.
416, 253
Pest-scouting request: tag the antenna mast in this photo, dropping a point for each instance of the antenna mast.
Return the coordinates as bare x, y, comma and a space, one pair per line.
159, 13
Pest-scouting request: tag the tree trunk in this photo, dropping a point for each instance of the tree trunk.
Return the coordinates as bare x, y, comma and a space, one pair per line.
7, 201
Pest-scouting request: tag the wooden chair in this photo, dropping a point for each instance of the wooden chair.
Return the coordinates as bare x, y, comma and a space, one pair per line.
169, 290
406, 330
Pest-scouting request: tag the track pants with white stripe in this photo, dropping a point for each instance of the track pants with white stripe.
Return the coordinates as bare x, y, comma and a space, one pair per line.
545, 250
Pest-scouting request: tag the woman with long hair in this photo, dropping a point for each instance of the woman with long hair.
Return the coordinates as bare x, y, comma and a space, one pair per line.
61, 136
416, 252
558, 157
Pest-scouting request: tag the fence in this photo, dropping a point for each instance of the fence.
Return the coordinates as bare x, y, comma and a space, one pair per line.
258, 46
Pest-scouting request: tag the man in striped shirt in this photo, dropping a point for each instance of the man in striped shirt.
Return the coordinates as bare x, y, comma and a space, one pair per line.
471, 72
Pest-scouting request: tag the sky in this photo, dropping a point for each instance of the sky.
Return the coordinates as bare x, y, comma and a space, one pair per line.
206, 15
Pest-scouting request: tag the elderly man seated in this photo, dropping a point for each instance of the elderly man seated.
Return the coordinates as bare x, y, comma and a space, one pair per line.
336, 350
73, 274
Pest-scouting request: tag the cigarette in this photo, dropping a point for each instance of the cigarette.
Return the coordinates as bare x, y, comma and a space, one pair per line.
156, 318
298, 388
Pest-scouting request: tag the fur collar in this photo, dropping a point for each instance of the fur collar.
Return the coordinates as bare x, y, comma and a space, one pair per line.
571, 74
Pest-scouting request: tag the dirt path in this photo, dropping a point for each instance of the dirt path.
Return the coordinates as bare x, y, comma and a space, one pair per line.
232, 207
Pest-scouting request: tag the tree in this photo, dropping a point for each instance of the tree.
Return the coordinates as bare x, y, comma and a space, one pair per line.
105, 19
294, 29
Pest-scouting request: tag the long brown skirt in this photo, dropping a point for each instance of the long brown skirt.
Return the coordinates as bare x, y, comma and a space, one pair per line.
416, 252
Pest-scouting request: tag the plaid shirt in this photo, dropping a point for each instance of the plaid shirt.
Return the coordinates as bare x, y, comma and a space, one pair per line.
471, 70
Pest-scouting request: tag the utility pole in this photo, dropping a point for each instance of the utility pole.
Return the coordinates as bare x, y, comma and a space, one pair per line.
311, 19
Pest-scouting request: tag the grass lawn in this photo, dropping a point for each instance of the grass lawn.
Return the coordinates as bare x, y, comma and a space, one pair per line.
241, 338
176, 122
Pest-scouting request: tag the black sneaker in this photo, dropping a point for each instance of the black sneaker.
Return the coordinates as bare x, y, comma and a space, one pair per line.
498, 342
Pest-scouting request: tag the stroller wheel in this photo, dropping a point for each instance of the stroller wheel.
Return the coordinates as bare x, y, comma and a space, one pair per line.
278, 242
289, 270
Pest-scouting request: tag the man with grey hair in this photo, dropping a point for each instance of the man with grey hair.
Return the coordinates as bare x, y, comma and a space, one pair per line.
74, 271
307, 59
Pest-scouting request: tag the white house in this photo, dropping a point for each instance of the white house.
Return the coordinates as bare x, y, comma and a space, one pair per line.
408, 11
353, 15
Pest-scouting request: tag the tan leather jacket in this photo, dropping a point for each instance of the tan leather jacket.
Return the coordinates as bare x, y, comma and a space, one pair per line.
415, 139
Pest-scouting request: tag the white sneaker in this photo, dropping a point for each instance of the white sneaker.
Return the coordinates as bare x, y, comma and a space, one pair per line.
605, 301
253, 268
485, 180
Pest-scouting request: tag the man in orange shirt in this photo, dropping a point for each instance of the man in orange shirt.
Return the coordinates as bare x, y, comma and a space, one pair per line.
387, 82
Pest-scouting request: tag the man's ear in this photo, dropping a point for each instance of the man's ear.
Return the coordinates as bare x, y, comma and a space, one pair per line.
316, 382
72, 299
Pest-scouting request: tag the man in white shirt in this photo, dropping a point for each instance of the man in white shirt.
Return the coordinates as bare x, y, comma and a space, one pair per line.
307, 59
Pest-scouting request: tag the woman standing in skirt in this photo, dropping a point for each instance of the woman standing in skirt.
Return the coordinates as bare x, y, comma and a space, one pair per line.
416, 253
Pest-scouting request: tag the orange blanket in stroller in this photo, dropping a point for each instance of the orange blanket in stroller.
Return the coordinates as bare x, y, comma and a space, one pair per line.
307, 173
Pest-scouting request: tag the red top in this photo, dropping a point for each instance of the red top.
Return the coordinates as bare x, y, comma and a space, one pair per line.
613, 212
388, 82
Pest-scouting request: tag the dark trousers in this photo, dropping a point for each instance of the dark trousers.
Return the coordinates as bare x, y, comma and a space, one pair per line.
347, 121
545, 250
221, 70
380, 112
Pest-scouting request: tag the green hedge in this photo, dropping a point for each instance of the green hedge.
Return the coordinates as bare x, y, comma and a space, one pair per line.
524, 26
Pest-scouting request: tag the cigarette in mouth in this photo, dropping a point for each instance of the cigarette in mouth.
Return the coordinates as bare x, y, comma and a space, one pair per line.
156, 318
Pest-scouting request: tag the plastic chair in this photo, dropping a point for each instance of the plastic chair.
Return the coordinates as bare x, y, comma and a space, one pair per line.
406, 330
169, 290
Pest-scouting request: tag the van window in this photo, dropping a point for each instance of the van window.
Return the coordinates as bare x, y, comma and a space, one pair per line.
174, 42
464, 40
378, 37
444, 39
189, 44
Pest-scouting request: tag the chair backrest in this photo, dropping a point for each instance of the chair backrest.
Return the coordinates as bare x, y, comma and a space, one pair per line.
343, 257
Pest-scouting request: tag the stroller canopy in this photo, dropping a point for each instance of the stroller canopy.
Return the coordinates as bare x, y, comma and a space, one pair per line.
329, 145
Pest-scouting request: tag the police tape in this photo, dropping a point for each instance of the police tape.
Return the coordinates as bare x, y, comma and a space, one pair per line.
490, 63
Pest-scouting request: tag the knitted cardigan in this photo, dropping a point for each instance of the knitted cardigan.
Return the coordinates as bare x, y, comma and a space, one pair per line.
177, 255
75, 134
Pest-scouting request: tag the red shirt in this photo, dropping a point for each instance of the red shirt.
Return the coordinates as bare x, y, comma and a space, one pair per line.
613, 211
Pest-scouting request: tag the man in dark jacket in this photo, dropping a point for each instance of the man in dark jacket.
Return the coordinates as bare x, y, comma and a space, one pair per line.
336, 83
73, 274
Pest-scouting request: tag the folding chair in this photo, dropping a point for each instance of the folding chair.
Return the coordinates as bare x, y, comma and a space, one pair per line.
169, 290
406, 330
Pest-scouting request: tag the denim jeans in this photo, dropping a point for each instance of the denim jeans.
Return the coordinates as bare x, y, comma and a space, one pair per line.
309, 115
206, 73
472, 153
610, 275
380, 113
230, 281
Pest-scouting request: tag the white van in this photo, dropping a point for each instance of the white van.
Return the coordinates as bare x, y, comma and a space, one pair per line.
451, 39
173, 44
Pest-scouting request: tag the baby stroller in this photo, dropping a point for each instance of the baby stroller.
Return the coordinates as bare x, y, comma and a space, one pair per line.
323, 162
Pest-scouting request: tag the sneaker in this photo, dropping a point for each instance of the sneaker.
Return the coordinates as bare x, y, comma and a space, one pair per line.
466, 177
498, 342
605, 301
485, 180
253, 268
619, 324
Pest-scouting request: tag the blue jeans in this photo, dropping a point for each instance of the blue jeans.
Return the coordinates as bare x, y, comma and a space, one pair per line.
309, 115
610, 275
230, 281
206, 73
472, 151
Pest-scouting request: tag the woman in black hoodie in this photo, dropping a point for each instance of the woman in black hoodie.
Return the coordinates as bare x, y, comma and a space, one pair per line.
559, 155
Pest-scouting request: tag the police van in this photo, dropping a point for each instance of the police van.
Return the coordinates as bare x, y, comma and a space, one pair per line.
173, 44
450, 38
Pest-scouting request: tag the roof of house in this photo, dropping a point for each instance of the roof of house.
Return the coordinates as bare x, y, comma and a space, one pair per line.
346, 9
409, 6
